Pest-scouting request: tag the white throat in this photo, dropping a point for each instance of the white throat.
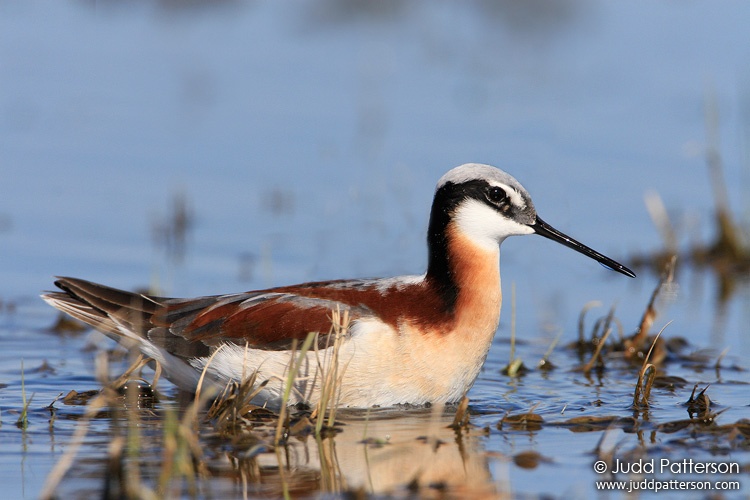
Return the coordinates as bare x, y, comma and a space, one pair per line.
484, 226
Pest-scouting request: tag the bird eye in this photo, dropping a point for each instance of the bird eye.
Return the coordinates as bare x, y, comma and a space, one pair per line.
496, 195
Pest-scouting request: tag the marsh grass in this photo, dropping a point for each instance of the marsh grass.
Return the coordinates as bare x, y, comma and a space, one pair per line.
727, 254
23, 418
596, 357
544, 363
597, 342
182, 466
229, 409
634, 345
630, 349
330, 372
515, 366
62, 466
461, 418
125, 401
646, 377
700, 404
327, 380
295, 363
582, 343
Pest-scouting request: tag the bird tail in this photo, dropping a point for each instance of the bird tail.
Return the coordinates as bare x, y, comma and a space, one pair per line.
119, 314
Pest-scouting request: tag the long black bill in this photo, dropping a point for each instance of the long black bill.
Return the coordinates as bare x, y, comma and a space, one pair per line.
544, 229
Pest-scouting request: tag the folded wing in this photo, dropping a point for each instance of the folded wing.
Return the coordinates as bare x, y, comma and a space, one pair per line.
189, 328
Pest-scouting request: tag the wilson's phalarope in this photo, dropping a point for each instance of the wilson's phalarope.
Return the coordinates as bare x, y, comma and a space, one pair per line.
412, 339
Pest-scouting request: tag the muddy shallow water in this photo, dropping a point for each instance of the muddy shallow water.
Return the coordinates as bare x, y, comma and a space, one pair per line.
210, 147
538, 433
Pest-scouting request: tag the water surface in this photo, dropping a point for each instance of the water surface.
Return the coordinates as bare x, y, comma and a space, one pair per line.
307, 141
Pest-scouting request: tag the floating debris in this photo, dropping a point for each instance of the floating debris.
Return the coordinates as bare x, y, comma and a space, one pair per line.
522, 422
530, 459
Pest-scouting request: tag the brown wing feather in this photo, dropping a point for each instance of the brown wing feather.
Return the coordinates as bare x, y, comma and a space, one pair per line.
190, 327
263, 320
267, 319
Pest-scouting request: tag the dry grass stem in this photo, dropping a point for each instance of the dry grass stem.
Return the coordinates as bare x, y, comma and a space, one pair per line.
600, 344
23, 418
649, 315
720, 358
515, 366
199, 387
461, 419
66, 461
646, 377
329, 372
660, 218
544, 362
581, 319
292, 371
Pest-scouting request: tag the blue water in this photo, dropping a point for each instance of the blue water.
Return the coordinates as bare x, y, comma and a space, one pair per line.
307, 141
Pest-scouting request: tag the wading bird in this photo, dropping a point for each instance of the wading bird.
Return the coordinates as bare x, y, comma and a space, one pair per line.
412, 339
